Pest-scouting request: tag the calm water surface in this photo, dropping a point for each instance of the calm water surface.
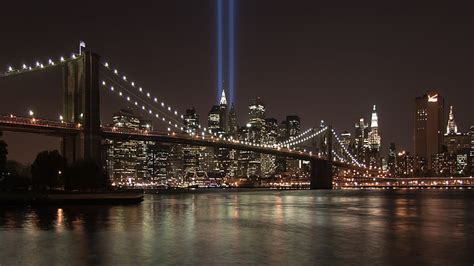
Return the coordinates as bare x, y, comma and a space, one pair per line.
269, 227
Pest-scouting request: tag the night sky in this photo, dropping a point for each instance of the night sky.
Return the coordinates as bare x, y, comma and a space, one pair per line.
328, 60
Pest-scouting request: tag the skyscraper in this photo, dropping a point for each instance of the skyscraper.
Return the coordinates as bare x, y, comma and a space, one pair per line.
191, 121
256, 113
451, 127
270, 137
471, 133
214, 120
361, 138
455, 142
374, 138
191, 153
294, 125
127, 159
223, 111
232, 123
392, 159
428, 134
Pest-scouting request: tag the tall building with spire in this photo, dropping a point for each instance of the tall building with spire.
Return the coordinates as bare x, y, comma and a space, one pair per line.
451, 127
374, 134
223, 110
455, 141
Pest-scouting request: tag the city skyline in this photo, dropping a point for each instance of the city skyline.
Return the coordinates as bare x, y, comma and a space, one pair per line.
259, 69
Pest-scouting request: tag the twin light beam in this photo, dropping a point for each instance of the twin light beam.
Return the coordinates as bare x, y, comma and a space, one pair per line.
230, 48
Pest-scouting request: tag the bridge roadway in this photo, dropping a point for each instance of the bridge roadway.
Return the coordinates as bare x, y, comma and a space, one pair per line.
60, 129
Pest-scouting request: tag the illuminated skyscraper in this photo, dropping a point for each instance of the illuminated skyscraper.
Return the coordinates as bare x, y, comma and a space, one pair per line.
214, 120
270, 137
457, 147
257, 113
428, 134
361, 138
451, 127
191, 153
223, 111
127, 159
191, 121
374, 138
471, 133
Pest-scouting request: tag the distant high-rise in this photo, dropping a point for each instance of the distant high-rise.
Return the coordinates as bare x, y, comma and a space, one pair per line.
428, 134
346, 139
190, 153
294, 125
374, 138
127, 159
361, 138
257, 113
392, 159
471, 133
451, 127
232, 123
223, 111
191, 121
270, 137
214, 120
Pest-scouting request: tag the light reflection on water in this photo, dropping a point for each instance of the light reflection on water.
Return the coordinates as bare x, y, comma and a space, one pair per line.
271, 227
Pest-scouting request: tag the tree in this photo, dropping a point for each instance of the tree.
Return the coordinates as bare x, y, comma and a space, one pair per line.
46, 169
85, 175
16, 177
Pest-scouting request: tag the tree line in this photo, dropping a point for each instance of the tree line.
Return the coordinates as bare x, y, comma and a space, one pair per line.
49, 171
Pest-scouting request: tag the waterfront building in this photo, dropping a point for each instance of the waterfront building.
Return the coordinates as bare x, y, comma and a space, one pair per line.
127, 159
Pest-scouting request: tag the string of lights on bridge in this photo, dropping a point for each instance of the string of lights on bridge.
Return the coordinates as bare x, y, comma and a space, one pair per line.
297, 141
346, 151
11, 70
293, 139
141, 90
303, 138
143, 108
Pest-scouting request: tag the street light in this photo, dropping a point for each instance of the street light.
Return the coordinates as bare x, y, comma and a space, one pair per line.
31, 113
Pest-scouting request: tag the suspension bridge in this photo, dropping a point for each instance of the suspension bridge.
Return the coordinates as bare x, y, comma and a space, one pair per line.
81, 132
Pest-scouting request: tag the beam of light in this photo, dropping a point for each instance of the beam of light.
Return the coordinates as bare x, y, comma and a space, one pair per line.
231, 44
220, 15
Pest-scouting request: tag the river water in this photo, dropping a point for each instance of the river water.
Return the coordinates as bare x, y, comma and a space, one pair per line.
340, 227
